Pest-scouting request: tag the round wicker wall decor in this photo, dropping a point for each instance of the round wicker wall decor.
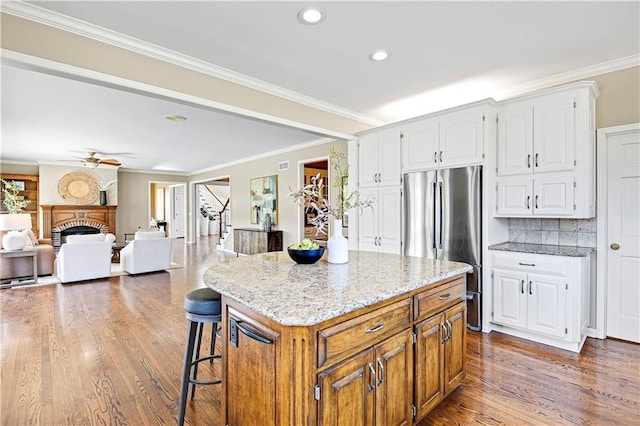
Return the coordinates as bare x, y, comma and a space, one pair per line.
78, 188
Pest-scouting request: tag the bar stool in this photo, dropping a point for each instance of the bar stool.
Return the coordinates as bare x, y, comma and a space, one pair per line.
202, 306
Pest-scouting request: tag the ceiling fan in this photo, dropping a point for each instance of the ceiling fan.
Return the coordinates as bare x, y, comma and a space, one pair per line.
92, 161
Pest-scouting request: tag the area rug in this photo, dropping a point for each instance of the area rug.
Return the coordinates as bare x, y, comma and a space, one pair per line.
52, 279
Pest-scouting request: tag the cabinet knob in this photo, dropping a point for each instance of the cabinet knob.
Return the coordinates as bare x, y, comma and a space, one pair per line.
615, 246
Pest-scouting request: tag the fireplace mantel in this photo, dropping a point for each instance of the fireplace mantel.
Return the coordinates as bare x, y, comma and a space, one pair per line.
57, 218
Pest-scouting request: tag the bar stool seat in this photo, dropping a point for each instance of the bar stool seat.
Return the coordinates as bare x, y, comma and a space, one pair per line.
202, 306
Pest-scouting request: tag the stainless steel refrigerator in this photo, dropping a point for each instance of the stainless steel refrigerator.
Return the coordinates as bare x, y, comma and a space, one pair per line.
442, 220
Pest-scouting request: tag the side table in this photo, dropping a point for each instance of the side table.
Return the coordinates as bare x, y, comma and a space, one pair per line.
115, 251
26, 252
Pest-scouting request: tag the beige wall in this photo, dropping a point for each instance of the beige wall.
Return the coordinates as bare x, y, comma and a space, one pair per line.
289, 215
619, 100
50, 176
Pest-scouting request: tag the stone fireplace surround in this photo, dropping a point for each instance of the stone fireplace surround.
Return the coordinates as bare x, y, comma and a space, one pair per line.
57, 218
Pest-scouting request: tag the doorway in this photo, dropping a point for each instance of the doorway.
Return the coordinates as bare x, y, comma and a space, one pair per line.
213, 209
167, 209
311, 169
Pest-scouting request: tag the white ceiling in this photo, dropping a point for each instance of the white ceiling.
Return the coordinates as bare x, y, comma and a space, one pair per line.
443, 54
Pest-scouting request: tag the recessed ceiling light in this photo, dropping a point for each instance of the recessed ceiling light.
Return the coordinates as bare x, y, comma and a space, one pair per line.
379, 55
175, 117
311, 15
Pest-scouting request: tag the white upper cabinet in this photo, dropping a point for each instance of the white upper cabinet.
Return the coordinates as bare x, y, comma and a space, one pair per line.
546, 154
379, 159
452, 139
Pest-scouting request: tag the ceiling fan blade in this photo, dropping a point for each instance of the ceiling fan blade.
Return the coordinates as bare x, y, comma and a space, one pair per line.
110, 162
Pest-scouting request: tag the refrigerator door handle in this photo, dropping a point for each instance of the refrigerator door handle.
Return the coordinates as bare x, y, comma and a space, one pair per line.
438, 215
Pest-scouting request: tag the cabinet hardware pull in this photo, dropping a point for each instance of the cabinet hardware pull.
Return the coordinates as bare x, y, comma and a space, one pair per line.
379, 177
444, 332
522, 286
530, 288
529, 161
536, 159
528, 202
441, 156
526, 264
381, 379
373, 330
450, 330
372, 384
536, 201
435, 156
246, 330
444, 296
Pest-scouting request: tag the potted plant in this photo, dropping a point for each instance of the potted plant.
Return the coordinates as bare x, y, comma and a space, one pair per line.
12, 201
311, 196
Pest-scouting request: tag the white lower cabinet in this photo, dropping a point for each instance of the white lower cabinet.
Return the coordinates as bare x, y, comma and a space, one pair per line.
542, 297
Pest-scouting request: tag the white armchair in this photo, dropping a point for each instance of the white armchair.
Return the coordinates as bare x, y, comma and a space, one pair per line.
149, 251
84, 257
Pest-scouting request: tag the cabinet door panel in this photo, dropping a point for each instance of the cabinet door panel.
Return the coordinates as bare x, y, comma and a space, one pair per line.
455, 347
368, 160
394, 394
553, 195
389, 230
514, 196
509, 298
547, 304
429, 365
368, 222
420, 146
389, 158
515, 141
347, 397
462, 139
554, 135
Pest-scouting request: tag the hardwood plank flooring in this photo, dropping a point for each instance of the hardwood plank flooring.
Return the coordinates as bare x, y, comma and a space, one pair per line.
109, 352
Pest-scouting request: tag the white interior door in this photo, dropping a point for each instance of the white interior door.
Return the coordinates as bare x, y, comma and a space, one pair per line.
623, 231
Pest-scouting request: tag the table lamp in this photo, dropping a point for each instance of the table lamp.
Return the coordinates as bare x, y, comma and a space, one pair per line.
14, 222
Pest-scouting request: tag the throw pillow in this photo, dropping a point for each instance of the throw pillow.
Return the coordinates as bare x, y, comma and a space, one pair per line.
149, 235
32, 236
27, 240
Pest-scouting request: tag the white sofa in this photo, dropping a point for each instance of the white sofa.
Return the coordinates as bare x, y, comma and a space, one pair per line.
149, 251
85, 257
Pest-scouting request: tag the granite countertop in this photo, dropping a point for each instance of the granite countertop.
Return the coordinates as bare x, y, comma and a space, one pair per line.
554, 250
273, 285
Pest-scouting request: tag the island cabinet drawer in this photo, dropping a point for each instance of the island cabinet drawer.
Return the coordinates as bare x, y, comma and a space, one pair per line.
347, 338
437, 299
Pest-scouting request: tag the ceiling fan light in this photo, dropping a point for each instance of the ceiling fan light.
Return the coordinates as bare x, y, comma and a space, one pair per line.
311, 15
91, 164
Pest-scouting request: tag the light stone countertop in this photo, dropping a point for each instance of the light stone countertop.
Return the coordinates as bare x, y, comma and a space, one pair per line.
550, 249
273, 285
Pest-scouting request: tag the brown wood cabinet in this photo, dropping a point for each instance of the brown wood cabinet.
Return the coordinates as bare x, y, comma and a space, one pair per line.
30, 192
253, 241
373, 366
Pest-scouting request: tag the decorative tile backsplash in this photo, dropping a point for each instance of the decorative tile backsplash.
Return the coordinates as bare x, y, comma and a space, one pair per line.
564, 232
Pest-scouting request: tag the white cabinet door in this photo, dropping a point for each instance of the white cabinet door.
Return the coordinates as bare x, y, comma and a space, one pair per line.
379, 159
389, 158
546, 308
510, 298
368, 160
553, 195
368, 222
554, 135
389, 227
461, 139
420, 145
515, 141
515, 196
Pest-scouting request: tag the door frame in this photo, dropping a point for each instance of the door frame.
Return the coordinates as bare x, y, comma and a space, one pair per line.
194, 202
602, 180
301, 164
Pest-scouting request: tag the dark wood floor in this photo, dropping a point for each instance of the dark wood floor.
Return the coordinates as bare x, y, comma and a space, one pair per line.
109, 352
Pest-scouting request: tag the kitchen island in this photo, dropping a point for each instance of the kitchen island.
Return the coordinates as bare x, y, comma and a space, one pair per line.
378, 340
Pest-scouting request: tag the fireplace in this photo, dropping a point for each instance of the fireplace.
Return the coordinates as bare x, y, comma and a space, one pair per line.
60, 219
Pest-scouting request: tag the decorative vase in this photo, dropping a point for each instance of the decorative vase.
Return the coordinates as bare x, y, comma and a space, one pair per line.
337, 246
103, 198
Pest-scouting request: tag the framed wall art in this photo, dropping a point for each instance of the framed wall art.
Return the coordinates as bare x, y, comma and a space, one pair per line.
264, 199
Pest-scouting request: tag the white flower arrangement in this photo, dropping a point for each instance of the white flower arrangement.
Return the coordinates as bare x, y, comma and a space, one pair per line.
311, 195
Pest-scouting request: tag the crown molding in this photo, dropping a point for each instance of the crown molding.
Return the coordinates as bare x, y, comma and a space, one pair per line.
94, 32
567, 77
